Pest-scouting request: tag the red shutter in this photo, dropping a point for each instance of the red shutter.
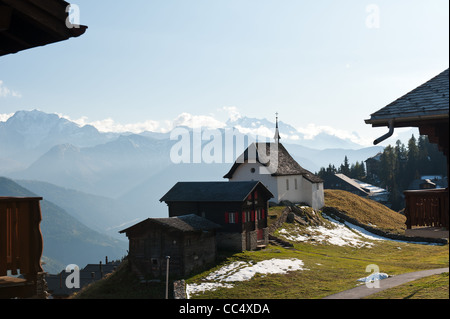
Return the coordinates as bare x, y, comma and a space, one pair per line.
256, 195
243, 217
253, 215
236, 217
226, 217
262, 213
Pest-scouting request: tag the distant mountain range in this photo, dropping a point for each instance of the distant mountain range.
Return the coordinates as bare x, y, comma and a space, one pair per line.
95, 184
36, 146
67, 240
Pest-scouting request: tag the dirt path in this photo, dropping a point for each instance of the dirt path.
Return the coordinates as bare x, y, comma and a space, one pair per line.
363, 291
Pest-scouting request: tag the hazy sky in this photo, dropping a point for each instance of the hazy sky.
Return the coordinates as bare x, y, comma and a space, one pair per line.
318, 63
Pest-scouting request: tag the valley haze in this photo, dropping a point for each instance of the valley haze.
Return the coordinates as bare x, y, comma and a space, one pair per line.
107, 181
135, 169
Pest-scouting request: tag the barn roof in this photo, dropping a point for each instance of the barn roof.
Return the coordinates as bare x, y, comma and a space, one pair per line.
429, 101
184, 223
284, 163
212, 191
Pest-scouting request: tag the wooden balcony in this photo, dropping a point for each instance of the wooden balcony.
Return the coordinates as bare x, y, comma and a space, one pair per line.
427, 208
21, 247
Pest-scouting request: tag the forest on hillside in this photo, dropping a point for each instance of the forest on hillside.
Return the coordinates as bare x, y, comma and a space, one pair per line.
398, 166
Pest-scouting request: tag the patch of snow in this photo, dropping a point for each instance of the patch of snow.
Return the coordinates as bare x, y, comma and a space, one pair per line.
225, 271
242, 271
339, 235
194, 289
374, 276
365, 233
272, 266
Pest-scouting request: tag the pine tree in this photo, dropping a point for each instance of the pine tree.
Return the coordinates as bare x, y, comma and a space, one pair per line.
345, 168
413, 158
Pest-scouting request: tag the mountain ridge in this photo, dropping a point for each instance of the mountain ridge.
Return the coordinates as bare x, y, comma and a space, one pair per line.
67, 240
111, 164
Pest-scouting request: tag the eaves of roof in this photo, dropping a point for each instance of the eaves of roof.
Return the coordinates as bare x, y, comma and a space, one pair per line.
26, 24
428, 102
213, 191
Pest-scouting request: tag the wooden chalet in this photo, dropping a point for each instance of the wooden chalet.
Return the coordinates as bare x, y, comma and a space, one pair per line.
188, 240
427, 108
366, 190
240, 208
21, 245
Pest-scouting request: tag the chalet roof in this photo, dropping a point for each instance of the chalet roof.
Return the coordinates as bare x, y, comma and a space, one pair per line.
376, 157
361, 186
19, 199
429, 101
184, 223
283, 162
213, 191
26, 24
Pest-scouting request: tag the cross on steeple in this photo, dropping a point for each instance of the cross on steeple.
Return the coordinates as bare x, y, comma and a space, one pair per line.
277, 134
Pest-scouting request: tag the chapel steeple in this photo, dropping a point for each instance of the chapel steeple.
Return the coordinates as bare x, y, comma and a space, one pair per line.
277, 134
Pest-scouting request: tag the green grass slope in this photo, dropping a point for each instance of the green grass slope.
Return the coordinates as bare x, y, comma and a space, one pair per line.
327, 267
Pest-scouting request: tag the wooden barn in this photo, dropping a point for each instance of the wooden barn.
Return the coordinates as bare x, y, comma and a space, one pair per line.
188, 240
240, 208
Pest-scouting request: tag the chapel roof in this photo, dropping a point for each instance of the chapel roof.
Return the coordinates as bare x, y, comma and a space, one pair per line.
277, 160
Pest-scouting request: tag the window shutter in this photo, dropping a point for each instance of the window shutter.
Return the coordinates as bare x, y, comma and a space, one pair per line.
226, 217
236, 216
262, 213
243, 217
253, 215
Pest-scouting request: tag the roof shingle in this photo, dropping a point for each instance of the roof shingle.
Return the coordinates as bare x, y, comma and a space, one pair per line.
428, 101
184, 223
212, 191
279, 162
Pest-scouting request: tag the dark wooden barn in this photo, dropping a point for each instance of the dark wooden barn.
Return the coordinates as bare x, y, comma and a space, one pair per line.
188, 240
240, 208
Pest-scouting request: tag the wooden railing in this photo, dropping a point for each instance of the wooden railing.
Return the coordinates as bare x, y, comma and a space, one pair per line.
427, 208
21, 243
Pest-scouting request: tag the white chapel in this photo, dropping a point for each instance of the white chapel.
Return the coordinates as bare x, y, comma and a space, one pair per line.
272, 165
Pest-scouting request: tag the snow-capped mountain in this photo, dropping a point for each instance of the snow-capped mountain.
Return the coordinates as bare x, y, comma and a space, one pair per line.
291, 135
28, 134
139, 168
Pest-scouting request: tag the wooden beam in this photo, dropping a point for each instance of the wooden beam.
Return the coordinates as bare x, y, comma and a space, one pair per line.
55, 8
41, 18
3, 239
